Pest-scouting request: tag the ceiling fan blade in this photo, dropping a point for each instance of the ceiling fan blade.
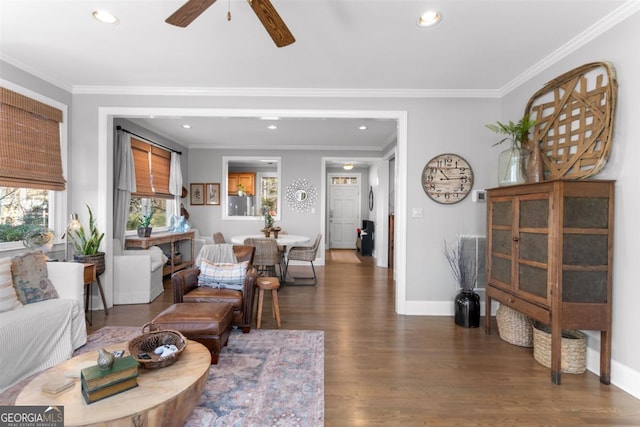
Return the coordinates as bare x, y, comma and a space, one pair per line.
188, 12
272, 22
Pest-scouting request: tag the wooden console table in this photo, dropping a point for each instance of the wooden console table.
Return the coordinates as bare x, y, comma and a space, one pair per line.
134, 242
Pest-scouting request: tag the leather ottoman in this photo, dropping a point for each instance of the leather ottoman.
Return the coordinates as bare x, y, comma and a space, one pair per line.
208, 323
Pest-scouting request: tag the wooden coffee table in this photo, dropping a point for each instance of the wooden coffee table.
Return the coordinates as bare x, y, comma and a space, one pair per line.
164, 397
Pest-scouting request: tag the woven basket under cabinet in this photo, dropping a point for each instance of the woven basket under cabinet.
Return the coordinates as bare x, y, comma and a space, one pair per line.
514, 327
573, 354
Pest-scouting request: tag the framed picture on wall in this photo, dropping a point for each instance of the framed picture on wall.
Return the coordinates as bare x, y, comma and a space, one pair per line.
197, 194
212, 192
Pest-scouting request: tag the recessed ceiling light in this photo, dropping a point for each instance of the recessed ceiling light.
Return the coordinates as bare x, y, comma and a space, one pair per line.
362, 128
272, 127
186, 126
269, 118
104, 16
429, 19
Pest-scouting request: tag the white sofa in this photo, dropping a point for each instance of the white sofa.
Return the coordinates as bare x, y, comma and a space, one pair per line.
137, 274
40, 335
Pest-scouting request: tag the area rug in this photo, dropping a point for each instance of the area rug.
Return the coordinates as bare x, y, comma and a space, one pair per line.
345, 257
263, 378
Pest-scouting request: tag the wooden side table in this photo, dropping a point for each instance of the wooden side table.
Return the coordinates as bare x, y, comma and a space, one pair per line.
90, 276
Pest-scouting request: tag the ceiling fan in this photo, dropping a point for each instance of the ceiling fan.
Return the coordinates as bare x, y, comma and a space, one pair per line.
265, 11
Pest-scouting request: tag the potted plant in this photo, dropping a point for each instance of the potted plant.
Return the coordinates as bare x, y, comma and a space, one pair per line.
144, 229
87, 244
241, 190
511, 162
467, 302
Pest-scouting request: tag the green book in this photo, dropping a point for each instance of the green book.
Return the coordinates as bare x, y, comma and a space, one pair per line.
93, 378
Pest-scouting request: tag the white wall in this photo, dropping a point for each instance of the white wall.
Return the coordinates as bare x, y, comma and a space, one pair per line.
620, 47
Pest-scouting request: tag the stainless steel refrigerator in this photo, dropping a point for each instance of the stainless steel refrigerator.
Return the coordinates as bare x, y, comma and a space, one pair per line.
241, 206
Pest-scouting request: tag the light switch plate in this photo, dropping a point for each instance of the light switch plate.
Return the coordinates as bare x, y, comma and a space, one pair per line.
479, 196
417, 213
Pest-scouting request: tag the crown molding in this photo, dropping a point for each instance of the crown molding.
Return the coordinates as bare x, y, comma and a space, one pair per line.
609, 21
323, 148
286, 92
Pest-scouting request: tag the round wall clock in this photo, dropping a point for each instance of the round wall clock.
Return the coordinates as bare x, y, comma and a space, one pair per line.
447, 178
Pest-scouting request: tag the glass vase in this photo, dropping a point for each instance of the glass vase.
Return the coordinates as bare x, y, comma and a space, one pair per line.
511, 166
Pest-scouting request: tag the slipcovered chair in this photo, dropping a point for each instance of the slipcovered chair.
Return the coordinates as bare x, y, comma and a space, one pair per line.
304, 253
267, 255
137, 274
186, 289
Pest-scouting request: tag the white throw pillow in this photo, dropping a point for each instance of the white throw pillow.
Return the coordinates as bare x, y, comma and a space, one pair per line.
8, 297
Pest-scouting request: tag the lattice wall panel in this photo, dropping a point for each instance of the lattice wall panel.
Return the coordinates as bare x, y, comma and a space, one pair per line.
574, 121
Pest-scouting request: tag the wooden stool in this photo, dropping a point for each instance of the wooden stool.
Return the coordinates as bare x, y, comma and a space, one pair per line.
268, 283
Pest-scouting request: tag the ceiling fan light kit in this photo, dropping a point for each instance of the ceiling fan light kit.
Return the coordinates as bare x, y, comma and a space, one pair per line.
264, 10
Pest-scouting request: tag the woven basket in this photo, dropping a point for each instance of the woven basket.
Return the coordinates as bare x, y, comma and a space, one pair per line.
149, 341
574, 349
514, 327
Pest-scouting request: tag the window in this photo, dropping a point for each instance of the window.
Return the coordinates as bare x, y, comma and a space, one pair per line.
22, 210
140, 205
152, 167
33, 149
264, 187
269, 193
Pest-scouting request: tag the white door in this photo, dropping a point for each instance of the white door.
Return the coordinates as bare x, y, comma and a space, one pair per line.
344, 210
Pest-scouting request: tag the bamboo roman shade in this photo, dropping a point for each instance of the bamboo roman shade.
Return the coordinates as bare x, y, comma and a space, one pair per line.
152, 165
29, 143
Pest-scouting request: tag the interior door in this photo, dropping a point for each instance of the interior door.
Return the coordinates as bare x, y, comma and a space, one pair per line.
344, 211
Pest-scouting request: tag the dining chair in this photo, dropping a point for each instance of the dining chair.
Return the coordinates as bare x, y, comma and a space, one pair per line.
267, 256
304, 253
218, 237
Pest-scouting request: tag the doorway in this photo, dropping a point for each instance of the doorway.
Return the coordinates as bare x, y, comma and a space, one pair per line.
344, 209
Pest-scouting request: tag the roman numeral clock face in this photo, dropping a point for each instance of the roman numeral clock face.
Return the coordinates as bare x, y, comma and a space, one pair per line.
447, 179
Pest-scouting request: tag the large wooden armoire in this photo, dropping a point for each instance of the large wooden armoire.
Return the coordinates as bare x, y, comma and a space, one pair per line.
550, 256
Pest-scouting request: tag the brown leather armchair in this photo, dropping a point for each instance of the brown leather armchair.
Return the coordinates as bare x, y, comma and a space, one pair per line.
185, 289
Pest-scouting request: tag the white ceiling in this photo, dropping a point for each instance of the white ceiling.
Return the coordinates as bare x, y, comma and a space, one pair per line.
372, 47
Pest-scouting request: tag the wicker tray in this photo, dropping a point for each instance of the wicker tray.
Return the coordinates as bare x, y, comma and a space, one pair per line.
574, 116
573, 353
514, 327
149, 341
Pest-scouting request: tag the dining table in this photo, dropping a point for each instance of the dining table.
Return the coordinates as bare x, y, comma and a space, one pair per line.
283, 240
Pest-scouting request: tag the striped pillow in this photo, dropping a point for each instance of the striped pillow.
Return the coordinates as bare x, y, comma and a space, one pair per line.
8, 297
222, 275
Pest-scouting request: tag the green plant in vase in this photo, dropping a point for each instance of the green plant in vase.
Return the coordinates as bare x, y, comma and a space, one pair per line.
87, 244
511, 162
144, 229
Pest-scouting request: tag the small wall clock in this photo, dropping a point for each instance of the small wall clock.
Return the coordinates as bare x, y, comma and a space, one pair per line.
447, 178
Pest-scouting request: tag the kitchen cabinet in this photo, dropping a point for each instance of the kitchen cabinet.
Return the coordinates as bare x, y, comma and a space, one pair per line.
550, 256
246, 179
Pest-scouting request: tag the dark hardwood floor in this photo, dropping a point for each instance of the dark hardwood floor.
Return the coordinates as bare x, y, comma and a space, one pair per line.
386, 369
